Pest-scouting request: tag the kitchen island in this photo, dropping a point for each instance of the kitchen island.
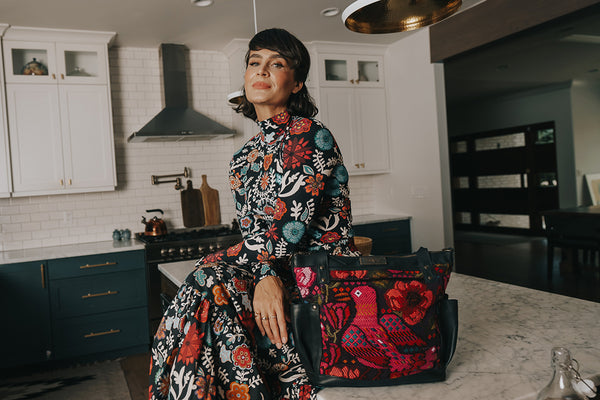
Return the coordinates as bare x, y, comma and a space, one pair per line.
505, 336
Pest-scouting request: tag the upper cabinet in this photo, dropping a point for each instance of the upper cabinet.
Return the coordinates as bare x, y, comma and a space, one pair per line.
353, 104
351, 70
59, 111
4, 158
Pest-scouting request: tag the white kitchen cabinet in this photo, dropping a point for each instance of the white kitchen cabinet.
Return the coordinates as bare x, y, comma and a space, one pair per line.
350, 71
60, 123
71, 63
5, 181
358, 120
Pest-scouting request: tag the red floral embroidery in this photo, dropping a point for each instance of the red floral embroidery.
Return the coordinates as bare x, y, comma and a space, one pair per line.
235, 250
314, 184
337, 314
272, 233
269, 210
345, 372
280, 209
245, 222
202, 312
264, 181
238, 391
267, 161
295, 153
281, 118
330, 237
242, 357
302, 125
163, 385
220, 295
214, 257
190, 349
305, 391
234, 182
252, 156
345, 274
241, 285
265, 256
412, 300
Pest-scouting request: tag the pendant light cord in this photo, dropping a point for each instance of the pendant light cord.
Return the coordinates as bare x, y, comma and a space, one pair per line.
255, 27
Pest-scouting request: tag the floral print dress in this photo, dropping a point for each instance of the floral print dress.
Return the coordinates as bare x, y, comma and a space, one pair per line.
291, 195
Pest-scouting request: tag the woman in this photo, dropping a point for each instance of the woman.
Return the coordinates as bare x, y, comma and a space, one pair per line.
226, 334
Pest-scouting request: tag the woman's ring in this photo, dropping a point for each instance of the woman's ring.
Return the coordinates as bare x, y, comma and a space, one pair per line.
272, 316
263, 318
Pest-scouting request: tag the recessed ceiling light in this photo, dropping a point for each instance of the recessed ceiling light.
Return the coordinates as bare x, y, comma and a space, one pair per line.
330, 12
202, 3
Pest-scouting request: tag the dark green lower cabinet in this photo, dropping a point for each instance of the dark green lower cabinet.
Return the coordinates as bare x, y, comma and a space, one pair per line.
25, 326
85, 307
389, 238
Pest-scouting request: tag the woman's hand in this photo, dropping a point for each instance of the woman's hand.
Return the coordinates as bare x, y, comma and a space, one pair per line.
270, 309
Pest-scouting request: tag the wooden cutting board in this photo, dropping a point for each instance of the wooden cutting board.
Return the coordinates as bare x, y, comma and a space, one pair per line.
210, 200
192, 206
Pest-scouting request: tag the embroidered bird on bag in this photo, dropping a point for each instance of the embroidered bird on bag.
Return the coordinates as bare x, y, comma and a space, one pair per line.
375, 343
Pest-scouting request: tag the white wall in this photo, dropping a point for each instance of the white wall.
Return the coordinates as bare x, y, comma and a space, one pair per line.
41, 221
549, 104
414, 187
585, 98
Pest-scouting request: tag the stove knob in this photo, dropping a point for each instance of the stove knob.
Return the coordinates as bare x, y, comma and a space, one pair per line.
163, 252
182, 252
201, 249
172, 252
190, 251
212, 247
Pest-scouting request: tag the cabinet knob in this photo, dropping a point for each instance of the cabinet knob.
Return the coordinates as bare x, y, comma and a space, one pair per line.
70, 182
53, 76
351, 80
62, 183
357, 165
62, 76
362, 165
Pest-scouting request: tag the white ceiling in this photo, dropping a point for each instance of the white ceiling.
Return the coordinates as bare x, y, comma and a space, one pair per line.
147, 23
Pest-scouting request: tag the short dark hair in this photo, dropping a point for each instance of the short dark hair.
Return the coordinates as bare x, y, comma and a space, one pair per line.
296, 54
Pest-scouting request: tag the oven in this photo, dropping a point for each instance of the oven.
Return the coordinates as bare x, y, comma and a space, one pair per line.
179, 245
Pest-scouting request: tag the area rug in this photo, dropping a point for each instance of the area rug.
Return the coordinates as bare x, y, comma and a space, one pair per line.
96, 381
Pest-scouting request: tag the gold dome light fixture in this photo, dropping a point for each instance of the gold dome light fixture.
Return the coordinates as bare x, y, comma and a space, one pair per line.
387, 16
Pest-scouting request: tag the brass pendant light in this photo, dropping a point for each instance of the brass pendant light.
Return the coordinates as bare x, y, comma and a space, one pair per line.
387, 16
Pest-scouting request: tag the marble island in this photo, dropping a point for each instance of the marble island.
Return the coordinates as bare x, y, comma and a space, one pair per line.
505, 336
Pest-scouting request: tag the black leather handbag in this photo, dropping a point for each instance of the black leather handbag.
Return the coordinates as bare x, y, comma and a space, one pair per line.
374, 320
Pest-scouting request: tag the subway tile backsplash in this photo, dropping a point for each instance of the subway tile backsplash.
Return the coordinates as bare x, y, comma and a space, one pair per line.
40, 221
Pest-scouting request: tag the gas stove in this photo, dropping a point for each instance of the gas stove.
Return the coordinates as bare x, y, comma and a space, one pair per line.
189, 243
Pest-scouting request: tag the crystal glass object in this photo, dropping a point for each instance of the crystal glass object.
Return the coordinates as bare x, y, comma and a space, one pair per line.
561, 387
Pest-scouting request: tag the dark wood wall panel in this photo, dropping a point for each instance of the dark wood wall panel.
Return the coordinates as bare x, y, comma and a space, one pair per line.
492, 20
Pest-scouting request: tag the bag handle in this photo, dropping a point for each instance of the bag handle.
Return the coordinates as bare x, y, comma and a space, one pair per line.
425, 263
321, 259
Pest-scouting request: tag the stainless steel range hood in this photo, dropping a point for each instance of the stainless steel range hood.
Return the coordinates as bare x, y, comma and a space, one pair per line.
177, 121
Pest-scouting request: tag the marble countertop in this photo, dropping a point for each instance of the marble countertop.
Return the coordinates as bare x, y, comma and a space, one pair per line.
361, 219
70, 250
505, 336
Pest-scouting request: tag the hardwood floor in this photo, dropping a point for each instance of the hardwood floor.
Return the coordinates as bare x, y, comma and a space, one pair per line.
518, 260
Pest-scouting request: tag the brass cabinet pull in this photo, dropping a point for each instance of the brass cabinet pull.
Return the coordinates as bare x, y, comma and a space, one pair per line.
357, 165
351, 80
61, 182
53, 76
62, 76
362, 165
70, 182
97, 265
43, 276
107, 293
94, 334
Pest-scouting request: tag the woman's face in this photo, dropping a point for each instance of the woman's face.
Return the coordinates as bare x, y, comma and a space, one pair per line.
269, 82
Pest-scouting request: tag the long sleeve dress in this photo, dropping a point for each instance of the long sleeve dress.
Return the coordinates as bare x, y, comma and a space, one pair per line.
291, 195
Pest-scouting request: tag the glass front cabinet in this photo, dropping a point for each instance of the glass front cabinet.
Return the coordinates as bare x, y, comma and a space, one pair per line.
47, 62
351, 71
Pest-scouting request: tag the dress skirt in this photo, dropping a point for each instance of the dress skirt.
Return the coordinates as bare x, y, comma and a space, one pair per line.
209, 347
